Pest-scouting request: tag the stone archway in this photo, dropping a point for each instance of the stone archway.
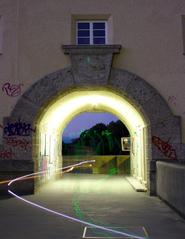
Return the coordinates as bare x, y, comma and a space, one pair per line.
60, 113
91, 69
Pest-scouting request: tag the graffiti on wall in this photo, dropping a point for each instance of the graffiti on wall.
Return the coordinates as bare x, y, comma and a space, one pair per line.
12, 90
18, 143
18, 128
172, 99
164, 147
12, 131
6, 154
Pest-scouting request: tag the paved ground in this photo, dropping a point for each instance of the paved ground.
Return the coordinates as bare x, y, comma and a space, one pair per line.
101, 199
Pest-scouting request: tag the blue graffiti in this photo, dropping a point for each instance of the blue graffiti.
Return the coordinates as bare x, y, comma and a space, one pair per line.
18, 128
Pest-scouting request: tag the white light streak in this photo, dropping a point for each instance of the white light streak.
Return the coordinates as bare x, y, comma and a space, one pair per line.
62, 214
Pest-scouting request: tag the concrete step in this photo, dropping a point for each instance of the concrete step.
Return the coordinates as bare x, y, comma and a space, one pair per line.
138, 187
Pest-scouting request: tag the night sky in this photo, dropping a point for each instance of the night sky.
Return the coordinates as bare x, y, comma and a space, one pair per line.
85, 121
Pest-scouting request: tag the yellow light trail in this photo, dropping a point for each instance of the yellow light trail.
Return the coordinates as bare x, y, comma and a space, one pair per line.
63, 171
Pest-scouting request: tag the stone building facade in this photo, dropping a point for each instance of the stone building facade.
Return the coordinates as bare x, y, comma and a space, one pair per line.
141, 67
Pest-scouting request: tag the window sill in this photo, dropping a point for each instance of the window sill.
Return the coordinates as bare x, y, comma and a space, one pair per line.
91, 49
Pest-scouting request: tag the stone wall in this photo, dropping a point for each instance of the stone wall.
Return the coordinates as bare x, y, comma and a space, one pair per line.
11, 169
171, 185
164, 128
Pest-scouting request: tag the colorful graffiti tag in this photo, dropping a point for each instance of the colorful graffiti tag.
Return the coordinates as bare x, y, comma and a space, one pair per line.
164, 147
6, 154
16, 142
172, 99
12, 90
18, 129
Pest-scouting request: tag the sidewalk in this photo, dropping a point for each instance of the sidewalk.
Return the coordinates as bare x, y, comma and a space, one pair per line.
98, 199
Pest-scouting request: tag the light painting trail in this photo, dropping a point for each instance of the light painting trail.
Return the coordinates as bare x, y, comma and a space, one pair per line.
5, 181
45, 171
62, 214
35, 176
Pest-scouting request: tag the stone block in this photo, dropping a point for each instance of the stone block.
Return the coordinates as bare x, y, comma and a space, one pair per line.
16, 166
11, 169
120, 79
152, 183
91, 65
152, 165
140, 91
168, 129
17, 147
25, 110
91, 68
48, 87
157, 109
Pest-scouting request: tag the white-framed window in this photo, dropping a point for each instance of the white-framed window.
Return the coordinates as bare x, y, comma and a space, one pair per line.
91, 32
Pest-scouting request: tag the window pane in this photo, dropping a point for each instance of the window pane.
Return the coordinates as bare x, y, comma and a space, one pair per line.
99, 33
99, 25
83, 41
83, 33
99, 41
83, 25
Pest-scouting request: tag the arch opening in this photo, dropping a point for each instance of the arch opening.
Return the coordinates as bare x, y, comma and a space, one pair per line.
60, 113
97, 136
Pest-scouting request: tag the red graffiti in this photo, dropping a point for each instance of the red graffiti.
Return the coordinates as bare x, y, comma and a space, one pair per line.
15, 142
164, 147
12, 90
5, 154
172, 99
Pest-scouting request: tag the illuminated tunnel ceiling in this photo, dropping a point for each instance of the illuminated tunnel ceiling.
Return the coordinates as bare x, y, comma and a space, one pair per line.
63, 110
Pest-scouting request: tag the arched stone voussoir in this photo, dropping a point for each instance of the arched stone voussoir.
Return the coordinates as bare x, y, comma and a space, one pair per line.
120, 79
133, 86
180, 151
91, 68
48, 87
25, 110
157, 109
140, 91
142, 94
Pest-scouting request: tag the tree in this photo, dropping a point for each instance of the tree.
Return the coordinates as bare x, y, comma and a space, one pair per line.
100, 139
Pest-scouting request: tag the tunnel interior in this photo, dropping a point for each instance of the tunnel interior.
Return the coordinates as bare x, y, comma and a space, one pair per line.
55, 119
99, 136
